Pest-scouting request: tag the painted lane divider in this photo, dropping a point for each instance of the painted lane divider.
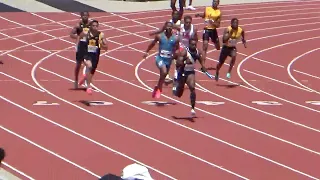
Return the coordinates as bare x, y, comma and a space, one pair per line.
44, 103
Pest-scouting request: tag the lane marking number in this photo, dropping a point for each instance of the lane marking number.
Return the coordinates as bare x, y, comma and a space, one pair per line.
44, 103
267, 103
99, 103
210, 103
317, 103
158, 103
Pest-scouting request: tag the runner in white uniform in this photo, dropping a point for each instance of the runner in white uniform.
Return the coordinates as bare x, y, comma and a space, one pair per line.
187, 31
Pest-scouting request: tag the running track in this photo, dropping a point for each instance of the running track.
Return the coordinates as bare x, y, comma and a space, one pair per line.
265, 128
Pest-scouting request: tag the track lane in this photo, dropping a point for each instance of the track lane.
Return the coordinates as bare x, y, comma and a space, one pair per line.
151, 67
54, 113
22, 152
175, 157
134, 101
65, 148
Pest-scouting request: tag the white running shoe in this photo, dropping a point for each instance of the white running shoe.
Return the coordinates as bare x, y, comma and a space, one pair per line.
193, 113
191, 8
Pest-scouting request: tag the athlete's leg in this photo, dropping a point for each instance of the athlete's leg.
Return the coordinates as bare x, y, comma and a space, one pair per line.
179, 85
190, 81
222, 58
215, 39
233, 55
95, 62
162, 66
205, 39
173, 5
79, 60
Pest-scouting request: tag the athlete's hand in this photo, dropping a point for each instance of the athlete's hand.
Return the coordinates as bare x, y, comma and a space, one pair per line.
203, 69
145, 55
244, 42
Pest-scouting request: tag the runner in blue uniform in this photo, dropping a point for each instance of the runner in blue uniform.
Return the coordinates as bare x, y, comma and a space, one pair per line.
168, 45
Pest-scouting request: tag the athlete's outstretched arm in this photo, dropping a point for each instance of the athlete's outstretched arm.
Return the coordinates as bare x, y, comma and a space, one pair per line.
159, 30
244, 42
73, 33
151, 45
103, 42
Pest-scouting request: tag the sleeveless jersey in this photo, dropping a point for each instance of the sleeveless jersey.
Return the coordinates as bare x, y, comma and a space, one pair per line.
166, 46
83, 28
185, 35
177, 24
94, 42
211, 14
235, 37
193, 56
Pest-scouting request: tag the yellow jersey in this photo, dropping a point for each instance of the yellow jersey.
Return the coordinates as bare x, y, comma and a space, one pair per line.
94, 42
235, 37
211, 14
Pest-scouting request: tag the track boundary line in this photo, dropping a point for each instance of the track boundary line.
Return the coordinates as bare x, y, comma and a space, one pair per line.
293, 78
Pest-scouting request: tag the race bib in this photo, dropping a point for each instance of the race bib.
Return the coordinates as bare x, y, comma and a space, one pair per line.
165, 54
232, 42
92, 49
160, 63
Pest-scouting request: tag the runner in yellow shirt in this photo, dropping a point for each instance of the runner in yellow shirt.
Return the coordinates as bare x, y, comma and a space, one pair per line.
231, 36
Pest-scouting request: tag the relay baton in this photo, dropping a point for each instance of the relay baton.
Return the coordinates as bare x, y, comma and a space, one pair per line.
209, 75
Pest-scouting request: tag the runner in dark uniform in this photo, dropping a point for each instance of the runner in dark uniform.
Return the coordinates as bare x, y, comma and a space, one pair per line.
186, 71
81, 48
95, 41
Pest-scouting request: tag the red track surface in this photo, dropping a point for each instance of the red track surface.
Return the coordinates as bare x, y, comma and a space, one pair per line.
236, 139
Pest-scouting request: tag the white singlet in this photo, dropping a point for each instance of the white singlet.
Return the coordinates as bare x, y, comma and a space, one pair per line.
185, 35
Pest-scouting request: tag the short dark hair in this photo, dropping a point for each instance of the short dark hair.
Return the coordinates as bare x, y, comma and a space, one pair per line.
187, 17
234, 19
94, 21
82, 13
2, 154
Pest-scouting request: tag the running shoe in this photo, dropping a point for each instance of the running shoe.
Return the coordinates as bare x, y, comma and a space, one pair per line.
193, 113
89, 91
156, 92
191, 8
228, 75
